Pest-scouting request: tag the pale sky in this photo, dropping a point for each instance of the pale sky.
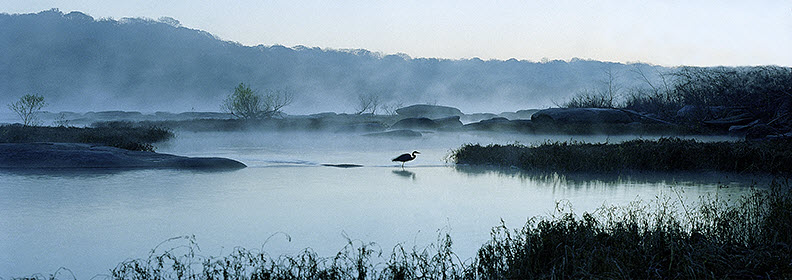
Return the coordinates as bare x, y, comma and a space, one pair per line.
668, 33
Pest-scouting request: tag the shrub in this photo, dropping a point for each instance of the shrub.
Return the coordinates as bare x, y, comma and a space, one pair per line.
245, 103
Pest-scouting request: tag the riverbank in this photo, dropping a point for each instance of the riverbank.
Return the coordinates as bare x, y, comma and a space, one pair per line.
664, 238
666, 154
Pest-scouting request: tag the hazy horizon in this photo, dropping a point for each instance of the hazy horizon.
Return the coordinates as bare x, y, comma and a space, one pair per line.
668, 33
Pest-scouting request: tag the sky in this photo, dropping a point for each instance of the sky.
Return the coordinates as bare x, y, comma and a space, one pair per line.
668, 33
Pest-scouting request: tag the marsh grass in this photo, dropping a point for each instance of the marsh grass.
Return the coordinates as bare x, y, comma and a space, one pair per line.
662, 238
123, 135
356, 260
665, 154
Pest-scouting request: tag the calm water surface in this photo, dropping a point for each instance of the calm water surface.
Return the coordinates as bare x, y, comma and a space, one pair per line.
91, 220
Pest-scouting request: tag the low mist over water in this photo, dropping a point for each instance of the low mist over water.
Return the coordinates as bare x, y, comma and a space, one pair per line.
91, 220
126, 141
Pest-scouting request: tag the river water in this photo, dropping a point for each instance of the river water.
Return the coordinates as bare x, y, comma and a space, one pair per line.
90, 220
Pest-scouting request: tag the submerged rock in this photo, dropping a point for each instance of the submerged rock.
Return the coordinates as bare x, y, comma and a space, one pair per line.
76, 155
342, 165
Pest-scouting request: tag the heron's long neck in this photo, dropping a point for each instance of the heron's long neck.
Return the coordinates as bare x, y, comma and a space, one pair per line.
413, 155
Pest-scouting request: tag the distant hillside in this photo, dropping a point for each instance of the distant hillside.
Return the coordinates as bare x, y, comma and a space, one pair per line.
81, 63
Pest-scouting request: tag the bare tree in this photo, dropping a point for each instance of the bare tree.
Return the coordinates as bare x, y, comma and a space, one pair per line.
612, 88
390, 109
27, 108
274, 101
604, 96
245, 103
367, 103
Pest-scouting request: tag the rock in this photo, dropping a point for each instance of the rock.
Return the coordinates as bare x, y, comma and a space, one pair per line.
502, 124
582, 116
74, 155
449, 122
693, 113
114, 115
740, 119
742, 129
361, 127
644, 118
323, 115
519, 115
688, 112
759, 131
416, 123
477, 117
203, 115
401, 133
342, 165
428, 111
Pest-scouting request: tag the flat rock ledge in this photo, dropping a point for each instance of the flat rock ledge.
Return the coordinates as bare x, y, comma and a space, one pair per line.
76, 155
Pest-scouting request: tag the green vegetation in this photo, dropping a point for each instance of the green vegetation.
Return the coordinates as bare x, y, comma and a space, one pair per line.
26, 108
664, 238
665, 154
123, 135
245, 103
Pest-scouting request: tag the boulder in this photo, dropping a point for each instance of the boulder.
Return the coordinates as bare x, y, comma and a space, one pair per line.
401, 133
114, 115
521, 114
428, 111
361, 127
501, 124
203, 115
323, 115
741, 119
477, 117
449, 122
642, 118
416, 123
74, 155
582, 116
742, 129
760, 131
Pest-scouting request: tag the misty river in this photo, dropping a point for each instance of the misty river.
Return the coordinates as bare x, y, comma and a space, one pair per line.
91, 220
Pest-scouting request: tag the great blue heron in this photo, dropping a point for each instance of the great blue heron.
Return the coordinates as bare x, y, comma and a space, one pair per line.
406, 157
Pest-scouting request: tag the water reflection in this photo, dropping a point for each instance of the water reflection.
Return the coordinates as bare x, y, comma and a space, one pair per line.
579, 179
405, 174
